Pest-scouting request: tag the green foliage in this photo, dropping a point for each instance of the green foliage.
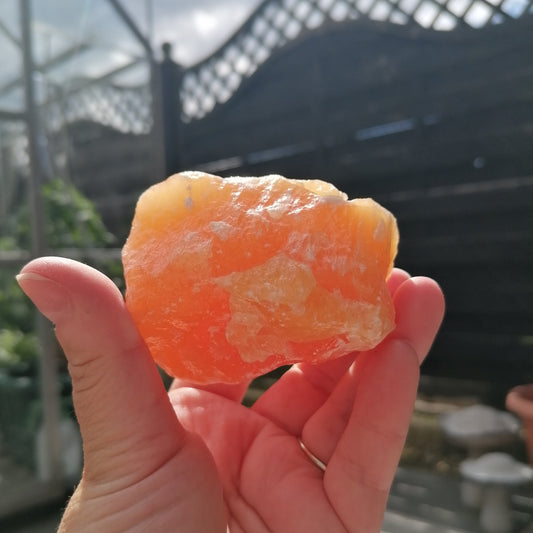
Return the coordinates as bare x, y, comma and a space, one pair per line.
72, 222
15, 311
17, 348
73, 219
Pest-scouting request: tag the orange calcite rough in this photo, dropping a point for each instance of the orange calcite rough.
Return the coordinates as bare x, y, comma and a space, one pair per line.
229, 278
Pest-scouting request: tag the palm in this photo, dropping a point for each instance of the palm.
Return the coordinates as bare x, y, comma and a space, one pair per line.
269, 483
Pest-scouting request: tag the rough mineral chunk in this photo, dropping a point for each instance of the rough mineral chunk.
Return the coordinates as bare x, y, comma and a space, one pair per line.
230, 278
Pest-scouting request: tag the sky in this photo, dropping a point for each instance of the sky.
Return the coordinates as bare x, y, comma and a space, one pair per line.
198, 27
194, 27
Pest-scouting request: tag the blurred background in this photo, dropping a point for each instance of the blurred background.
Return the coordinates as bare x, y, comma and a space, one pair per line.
424, 105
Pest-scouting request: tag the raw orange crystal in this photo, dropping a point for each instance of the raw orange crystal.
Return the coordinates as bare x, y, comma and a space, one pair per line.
229, 278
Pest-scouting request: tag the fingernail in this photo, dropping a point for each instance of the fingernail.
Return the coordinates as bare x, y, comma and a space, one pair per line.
51, 298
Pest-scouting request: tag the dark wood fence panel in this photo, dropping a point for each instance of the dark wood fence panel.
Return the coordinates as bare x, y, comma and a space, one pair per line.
347, 82
436, 126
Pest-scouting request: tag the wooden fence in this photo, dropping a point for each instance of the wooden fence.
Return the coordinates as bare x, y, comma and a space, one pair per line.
437, 126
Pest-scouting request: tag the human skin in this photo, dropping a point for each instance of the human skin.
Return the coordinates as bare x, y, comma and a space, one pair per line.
195, 459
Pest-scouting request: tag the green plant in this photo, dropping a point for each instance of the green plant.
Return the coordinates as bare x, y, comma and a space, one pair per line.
71, 222
17, 348
72, 219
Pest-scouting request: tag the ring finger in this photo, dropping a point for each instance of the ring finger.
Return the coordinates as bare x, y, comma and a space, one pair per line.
420, 307
305, 388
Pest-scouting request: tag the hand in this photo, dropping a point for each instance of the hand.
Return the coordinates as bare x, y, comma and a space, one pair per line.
196, 460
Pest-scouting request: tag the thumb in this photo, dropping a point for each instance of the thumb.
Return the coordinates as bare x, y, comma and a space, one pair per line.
127, 423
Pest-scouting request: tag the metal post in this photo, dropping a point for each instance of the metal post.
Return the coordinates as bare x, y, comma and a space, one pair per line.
170, 79
48, 363
157, 133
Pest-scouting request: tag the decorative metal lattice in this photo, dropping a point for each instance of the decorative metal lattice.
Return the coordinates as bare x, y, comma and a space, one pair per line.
276, 22
127, 110
124, 109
